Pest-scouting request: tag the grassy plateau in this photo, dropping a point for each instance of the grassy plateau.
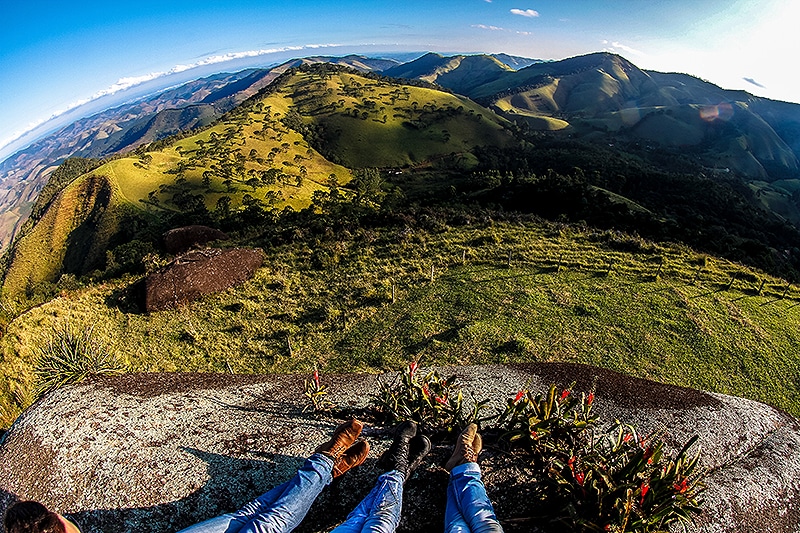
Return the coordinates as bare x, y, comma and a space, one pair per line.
482, 293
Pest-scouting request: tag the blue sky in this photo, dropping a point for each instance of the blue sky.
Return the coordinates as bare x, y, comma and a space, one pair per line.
55, 55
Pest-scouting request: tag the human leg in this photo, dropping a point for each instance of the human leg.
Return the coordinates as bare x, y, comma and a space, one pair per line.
467, 503
280, 509
284, 507
468, 509
379, 511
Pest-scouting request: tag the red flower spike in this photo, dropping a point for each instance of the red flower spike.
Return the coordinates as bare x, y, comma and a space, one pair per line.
316, 377
565, 394
425, 391
442, 401
580, 477
534, 434
682, 486
590, 398
412, 368
648, 455
519, 396
571, 464
645, 489
627, 437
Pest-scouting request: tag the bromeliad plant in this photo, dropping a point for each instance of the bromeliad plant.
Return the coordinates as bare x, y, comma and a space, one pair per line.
593, 480
315, 391
538, 423
434, 402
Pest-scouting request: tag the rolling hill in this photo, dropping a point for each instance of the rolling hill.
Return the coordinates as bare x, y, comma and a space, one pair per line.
268, 151
442, 253
189, 106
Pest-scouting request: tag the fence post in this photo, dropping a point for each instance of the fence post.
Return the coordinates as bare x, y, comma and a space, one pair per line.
464, 256
509, 259
761, 287
785, 290
432, 271
730, 283
393, 291
660, 266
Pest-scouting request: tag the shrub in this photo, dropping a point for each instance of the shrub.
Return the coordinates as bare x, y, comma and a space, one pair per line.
599, 480
587, 478
435, 403
70, 355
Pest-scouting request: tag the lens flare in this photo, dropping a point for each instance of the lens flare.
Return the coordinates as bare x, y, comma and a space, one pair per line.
712, 113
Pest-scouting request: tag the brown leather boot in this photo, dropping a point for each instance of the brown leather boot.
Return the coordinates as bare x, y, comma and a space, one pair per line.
352, 457
343, 437
468, 446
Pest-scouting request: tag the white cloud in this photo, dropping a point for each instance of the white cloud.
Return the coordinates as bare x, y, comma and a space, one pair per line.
485, 27
616, 47
530, 13
128, 82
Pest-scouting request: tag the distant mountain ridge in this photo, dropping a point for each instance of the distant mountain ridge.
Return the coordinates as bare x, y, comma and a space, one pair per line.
191, 105
593, 96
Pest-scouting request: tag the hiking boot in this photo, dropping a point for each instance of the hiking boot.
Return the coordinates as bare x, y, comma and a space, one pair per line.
396, 457
343, 437
352, 457
468, 446
418, 448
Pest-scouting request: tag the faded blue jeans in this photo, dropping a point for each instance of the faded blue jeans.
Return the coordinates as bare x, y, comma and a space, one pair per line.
468, 507
283, 508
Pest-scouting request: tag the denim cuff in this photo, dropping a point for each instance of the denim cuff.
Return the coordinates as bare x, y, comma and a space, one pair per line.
466, 468
322, 458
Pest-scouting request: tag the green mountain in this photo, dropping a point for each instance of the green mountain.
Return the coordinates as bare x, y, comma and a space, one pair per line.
277, 150
403, 222
462, 74
602, 95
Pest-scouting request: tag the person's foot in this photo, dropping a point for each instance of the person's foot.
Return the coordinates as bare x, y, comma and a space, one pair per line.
418, 448
352, 457
397, 456
468, 446
343, 438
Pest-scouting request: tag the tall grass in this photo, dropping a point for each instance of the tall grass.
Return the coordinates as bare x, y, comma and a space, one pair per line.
70, 355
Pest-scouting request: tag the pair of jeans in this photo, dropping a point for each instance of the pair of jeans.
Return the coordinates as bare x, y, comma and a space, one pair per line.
468, 507
283, 508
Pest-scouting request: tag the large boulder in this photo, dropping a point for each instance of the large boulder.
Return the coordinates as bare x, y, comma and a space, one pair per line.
198, 273
157, 452
179, 240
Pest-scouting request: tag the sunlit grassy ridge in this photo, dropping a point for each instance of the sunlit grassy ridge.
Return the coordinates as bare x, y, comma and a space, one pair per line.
265, 152
485, 293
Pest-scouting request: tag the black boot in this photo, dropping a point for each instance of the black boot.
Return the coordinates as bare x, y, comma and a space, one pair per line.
407, 451
396, 457
417, 450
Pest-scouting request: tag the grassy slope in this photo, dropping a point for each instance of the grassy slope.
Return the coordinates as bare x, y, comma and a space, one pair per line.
40, 254
395, 125
686, 327
445, 124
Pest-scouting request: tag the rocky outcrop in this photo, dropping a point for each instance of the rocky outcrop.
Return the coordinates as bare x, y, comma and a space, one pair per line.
157, 452
196, 274
180, 240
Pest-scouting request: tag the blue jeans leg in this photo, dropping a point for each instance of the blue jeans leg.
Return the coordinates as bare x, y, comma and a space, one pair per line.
281, 509
379, 511
468, 507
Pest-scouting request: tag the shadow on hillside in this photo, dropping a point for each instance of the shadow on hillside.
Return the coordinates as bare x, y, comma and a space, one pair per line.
128, 299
